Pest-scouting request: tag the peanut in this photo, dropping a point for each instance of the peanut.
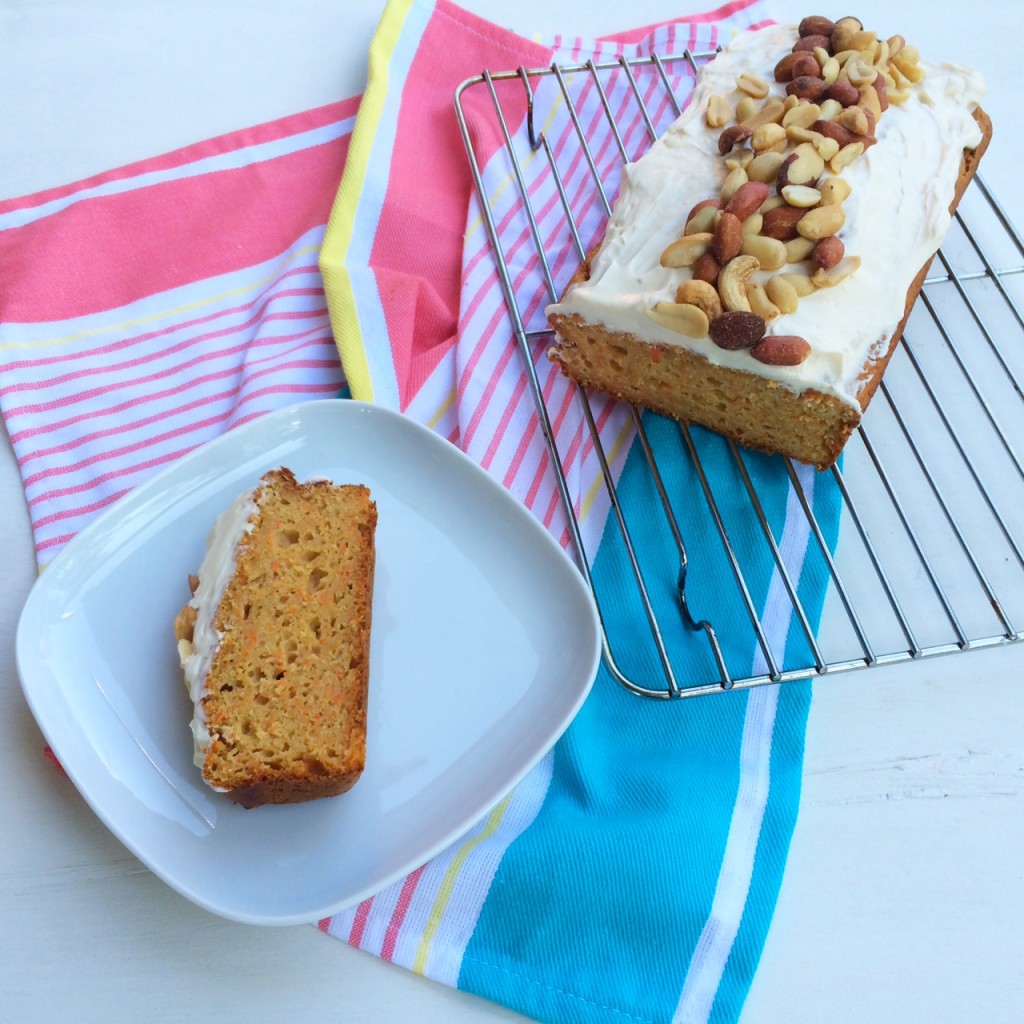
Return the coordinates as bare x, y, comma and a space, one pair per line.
685, 319
780, 223
702, 295
869, 98
768, 136
706, 269
834, 130
770, 253
728, 237
685, 251
806, 64
799, 249
846, 156
784, 69
827, 148
752, 85
831, 108
765, 166
772, 111
781, 350
703, 220
702, 205
782, 293
747, 198
760, 304
800, 283
733, 180
821, 222
752, 225
881, 88
843, 32
719, 113
798, 134
864, 41
802, 196
803, 114
829, 277
856, 119
834, 190
910, 70
746, 107
740, 160
828, 252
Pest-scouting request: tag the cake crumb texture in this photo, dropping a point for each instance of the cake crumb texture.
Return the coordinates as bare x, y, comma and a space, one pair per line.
285, 698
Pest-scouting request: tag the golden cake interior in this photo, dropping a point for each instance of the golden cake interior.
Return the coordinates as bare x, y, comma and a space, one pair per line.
285, 699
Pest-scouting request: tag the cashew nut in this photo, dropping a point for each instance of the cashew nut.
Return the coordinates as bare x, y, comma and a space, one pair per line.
732, 282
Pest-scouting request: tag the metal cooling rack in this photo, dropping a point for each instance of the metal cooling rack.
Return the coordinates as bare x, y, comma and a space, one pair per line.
929, 559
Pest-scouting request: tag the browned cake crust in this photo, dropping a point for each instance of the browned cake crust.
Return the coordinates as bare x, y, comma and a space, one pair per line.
750, 409
285, 697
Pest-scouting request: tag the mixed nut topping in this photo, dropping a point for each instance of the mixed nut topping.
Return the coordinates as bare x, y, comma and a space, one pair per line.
781, 203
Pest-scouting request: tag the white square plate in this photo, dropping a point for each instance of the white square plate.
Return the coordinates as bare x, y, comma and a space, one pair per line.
485, 643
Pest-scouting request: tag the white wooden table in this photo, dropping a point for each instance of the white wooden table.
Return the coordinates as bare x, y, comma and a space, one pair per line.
903, 899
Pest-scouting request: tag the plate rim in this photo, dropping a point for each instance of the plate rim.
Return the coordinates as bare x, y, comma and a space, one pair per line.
28, 629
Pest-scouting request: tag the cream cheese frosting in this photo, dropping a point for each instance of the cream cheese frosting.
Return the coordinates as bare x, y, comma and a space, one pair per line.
896, 217
218, 566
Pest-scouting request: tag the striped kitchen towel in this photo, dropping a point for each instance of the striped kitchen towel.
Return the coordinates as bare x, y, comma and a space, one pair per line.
125, 343
632, 875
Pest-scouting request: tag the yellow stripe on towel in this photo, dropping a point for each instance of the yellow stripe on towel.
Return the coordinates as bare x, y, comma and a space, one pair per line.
341, 299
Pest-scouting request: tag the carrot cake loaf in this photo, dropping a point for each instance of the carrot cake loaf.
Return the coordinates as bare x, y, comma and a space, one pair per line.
763, 256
